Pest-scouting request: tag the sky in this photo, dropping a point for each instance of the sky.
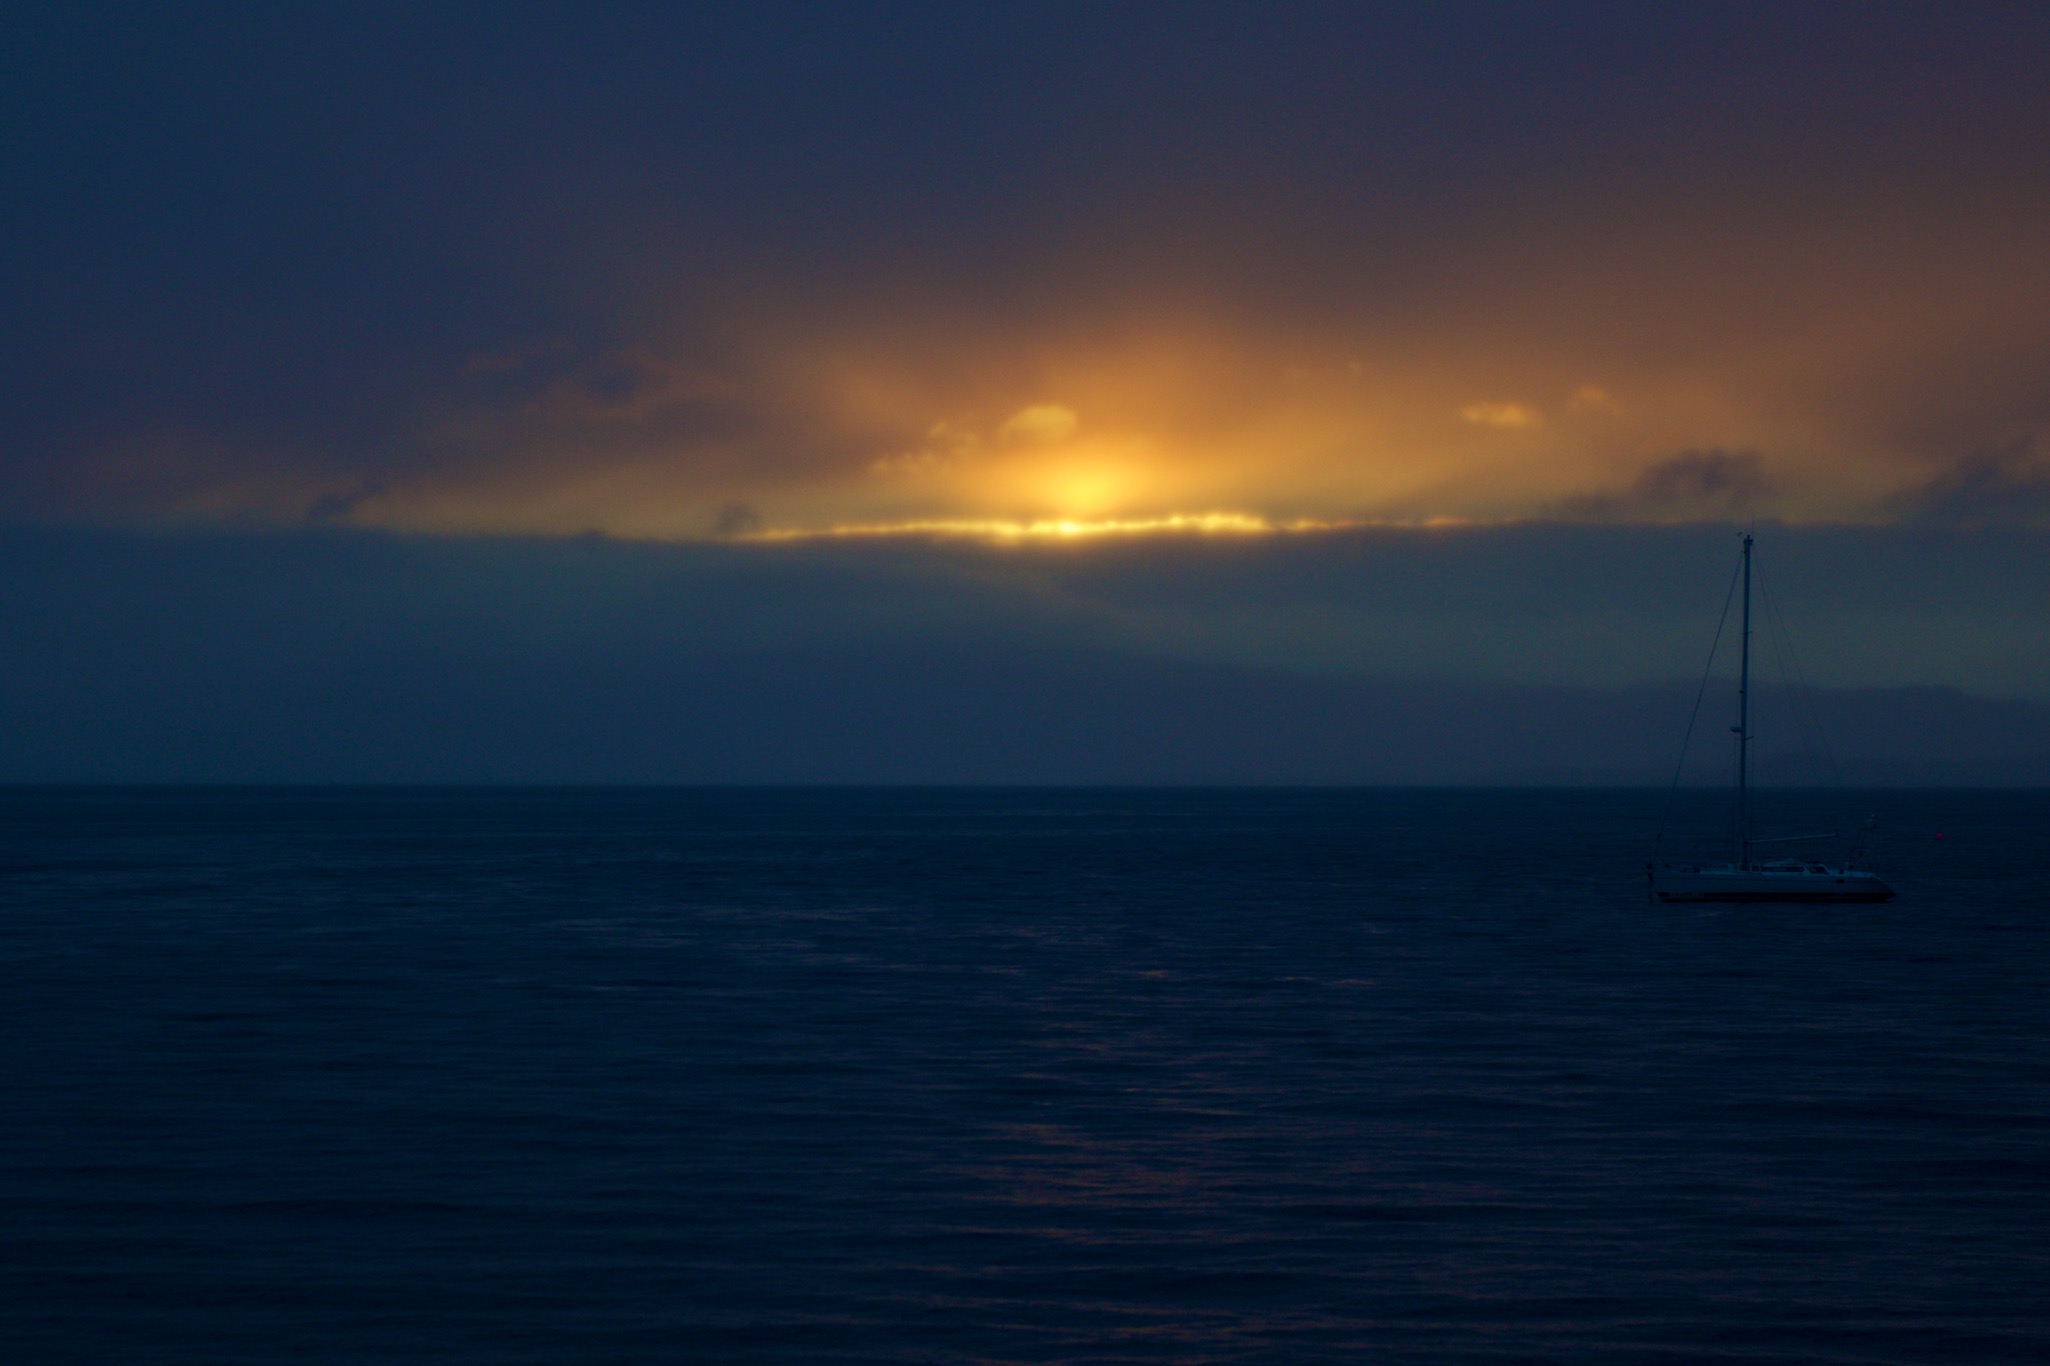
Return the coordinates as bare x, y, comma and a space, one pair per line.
1411, 344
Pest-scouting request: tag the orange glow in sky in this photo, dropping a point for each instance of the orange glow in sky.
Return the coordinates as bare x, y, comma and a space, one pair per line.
1589, 388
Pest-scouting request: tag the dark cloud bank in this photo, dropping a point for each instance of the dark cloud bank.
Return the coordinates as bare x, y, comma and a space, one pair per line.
367, 658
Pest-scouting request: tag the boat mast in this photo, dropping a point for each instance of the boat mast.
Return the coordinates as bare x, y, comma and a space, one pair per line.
1744, 723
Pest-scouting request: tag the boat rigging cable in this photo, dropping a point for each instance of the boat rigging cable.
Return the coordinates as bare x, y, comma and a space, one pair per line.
1673, 788
1743, 880
1808, 727
1807, 711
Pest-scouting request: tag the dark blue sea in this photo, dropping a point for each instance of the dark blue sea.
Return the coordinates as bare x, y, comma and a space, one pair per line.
537, 1076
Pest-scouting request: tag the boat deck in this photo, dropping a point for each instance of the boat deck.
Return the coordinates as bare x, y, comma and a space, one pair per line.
1812, 883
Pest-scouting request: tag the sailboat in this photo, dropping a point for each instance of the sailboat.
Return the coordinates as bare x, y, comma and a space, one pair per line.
1747, 878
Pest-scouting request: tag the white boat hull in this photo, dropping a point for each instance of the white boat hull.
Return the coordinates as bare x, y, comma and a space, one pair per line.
1813, 885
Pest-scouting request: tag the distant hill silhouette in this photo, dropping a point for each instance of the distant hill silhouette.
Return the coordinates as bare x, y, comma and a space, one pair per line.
353, 658
1001, 716
945, 714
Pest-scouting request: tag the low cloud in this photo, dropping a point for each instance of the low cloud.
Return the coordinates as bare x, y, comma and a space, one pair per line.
2011, 485
1045, 422
737, 519
944, 444
949, 445
512, 360
338, 507
1592, 398
1691, 486
1501, 415
629, 386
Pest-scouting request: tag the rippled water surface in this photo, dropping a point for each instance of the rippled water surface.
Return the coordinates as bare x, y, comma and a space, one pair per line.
542, 1076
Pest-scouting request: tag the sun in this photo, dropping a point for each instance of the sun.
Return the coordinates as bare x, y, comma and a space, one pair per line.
1086, 492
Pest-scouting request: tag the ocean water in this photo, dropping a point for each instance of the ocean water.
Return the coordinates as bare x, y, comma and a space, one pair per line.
1019, 1076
